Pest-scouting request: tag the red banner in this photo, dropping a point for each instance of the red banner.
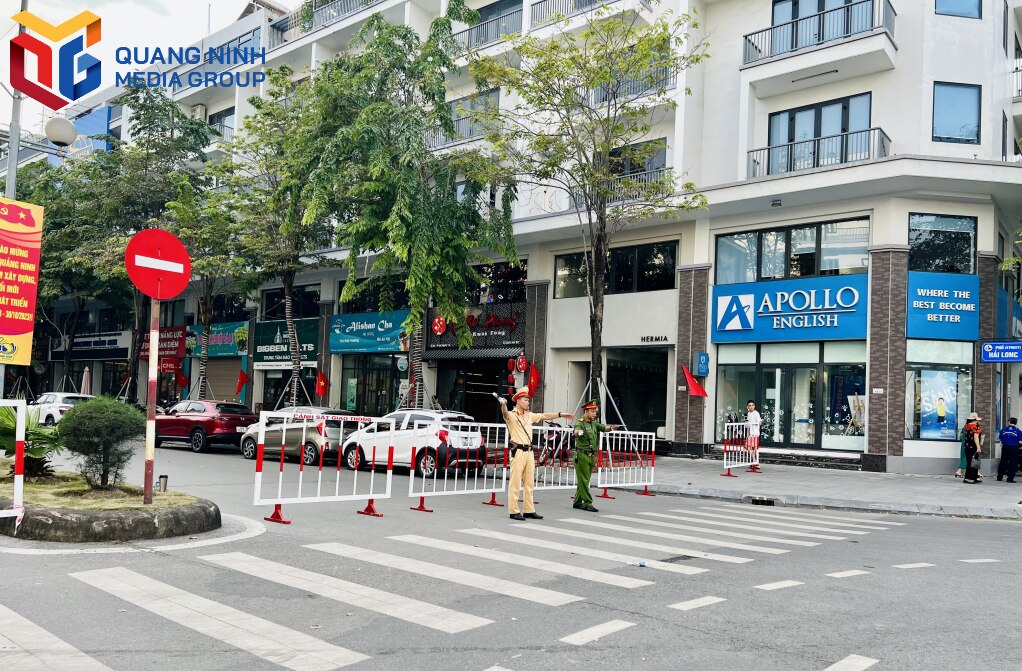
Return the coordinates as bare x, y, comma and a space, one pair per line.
21, 234
172, 343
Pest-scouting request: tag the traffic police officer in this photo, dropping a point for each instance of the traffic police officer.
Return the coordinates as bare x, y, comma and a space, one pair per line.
587, 442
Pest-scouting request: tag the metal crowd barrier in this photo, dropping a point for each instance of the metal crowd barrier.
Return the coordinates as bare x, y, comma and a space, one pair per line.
17, 509
740, 449
626, 459
457, 458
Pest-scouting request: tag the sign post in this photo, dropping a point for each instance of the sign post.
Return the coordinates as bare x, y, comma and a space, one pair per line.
159, 265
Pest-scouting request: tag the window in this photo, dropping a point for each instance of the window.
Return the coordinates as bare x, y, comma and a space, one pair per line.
1004, 136
172, 313
375, 298
110, 320
640, 268
942, 243
502, 283
639, 158
956, 109
972, 9
827, 133
831, 248
805, 23
229, 308
305, 303
637, 386
1004, 27
937, 398
222, 119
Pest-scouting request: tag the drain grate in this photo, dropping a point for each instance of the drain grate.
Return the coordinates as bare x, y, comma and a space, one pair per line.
679, 558
761, 501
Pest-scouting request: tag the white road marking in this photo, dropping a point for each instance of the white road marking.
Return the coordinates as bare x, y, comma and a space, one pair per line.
697, 603
627, 542
599, 631
847, 574
754, 527
787, 512
378, 601
268, 640
497, 668
786, 525
919, 565
852, 663
871, 526
705, 530
680, 537
585, 552
980, 561
27, 647
159, 264
783, 584
483, 582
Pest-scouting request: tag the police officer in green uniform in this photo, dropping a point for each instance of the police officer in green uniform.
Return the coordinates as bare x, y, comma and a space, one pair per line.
587, 442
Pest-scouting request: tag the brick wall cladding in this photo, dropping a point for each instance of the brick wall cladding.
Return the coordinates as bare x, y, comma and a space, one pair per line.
985, 374
693, 287
537, 300
888, 291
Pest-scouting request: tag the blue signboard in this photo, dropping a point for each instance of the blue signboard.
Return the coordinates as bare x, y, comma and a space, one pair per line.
369, 332
943, 306
1001, 352
816, 308
701, 364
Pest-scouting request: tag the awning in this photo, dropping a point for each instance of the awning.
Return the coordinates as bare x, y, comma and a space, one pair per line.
473, 353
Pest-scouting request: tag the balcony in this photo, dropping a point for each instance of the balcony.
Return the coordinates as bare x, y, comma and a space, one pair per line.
543, 12
652, 80
637, 186
490, 31
226, 133
465, 128
292, 27
820, 152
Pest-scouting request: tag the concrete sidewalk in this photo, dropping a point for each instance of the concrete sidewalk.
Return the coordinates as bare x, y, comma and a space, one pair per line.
849, 490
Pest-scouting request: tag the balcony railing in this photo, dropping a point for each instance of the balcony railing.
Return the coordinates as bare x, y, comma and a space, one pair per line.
465, 128
816, 29
637, 186
292, 26
491, 30
1018, 81
226, 132
544, 10
819, 152
635, 87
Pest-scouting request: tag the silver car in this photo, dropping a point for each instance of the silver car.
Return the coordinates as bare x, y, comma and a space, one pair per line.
310, 430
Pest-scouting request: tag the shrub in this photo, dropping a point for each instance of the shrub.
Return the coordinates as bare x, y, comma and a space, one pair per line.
40, 442
98, 431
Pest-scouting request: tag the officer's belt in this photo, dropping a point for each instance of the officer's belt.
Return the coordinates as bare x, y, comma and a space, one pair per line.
519, 446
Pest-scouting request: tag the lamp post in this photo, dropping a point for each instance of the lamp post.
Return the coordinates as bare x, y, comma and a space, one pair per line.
14, 146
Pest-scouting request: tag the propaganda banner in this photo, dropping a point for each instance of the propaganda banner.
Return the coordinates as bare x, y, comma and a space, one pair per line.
21, 234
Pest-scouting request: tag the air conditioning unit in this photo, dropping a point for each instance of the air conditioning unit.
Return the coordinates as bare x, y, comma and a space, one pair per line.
199, 112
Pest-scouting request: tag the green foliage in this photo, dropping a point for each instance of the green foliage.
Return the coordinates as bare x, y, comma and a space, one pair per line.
40, 442
98, 431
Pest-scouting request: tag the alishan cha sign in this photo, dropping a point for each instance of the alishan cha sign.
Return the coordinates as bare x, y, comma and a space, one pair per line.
818, 308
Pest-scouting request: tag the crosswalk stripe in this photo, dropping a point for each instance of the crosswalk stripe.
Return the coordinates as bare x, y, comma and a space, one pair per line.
270, 641
497, 668
872, 526
754, 527
692, 604
522, 560
599, 631
628, 542
847, 574
717, 532
484, 582
918, 565
781, 584
853, 663
786, 525
378, 601
980, 561
786, 512
680, 537
588, 552
27, 647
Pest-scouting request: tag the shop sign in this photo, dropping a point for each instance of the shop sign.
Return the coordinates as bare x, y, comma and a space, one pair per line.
273, 348
170, 365
225, 339
1001, 352
701, 364
492, 325
943, 306
817, 308
172, 343
104, 346
369, 332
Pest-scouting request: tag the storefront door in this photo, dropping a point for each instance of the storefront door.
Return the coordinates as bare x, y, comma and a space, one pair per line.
788, 405
371, 384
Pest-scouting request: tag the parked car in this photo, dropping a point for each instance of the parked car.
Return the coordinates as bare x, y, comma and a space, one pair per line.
436, 435
303, 438
53, 405
200, 423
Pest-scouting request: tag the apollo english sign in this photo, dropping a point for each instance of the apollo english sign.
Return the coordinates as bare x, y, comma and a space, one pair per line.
817, 308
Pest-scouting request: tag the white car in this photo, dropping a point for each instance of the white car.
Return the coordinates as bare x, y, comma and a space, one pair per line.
441, 439
53, 405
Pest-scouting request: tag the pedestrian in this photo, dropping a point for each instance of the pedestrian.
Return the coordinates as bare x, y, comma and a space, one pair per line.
972, 440
753, 421
1011, 436
523, 462
587, 443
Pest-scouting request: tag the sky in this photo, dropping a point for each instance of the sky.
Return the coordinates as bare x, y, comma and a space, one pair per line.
127, 23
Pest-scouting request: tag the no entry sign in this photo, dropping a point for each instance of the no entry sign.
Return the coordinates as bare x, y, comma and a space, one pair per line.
158, 263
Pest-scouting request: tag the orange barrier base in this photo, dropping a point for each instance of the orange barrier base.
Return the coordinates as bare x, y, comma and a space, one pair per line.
645, 491
491, 502
422, 506
604, 495
753, 469
370, 510
277, 516
729, 474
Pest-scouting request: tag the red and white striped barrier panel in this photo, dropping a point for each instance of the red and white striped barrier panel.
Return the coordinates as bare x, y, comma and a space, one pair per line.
457, 458
314, 473
555, 468
626, 459
17, 509
740, 449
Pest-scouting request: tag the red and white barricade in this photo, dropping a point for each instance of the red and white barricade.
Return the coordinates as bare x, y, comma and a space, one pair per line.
17, 509
740, 449
303, 458
555, 468
626, 459
457, 458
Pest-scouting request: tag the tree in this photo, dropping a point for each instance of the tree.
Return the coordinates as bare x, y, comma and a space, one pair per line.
98, 431
373, 110
586, 104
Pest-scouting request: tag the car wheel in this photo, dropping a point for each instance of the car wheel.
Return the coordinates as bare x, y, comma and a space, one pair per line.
198, 440
158, 442
50, 421
310, 454
352, 456
425, 464
248, 448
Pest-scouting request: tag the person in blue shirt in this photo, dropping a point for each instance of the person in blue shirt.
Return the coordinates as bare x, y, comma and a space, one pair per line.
1011, 436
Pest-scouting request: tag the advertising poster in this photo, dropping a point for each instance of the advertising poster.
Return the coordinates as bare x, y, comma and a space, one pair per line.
273, 348
21, 234
369, 332
225, 339
938, 405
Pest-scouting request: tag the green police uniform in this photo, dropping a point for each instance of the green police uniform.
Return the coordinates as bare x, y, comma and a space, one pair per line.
587, 443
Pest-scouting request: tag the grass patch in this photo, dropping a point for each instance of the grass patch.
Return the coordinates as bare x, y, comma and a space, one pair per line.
69, 490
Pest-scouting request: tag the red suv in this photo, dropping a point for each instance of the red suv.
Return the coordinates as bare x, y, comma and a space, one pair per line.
200, 423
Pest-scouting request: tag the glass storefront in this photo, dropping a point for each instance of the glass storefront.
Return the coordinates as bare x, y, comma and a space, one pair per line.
275, 388
468, 386
938, 389
637, 382
370, 383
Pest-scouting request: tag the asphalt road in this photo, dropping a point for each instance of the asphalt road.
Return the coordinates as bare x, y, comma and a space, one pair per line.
910, 592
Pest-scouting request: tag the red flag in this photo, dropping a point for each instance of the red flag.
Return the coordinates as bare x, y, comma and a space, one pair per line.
14, 214
243, 379
533, 379
181, 378
694, 388
322, 385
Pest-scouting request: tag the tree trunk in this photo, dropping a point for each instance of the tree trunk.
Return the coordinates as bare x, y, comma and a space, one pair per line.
598, 289
140, 327
206, 319
70, 331
292, 335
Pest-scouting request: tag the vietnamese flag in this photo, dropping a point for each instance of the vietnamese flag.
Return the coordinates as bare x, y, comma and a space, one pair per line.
694, 388
322, 385
243, 379
181, 378
14, 214
533, 379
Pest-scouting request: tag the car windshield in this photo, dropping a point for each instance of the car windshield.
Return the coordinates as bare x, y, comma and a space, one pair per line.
232, 409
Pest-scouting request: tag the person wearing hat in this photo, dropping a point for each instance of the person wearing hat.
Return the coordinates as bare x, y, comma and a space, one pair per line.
523, 462
587, 442
972, 441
